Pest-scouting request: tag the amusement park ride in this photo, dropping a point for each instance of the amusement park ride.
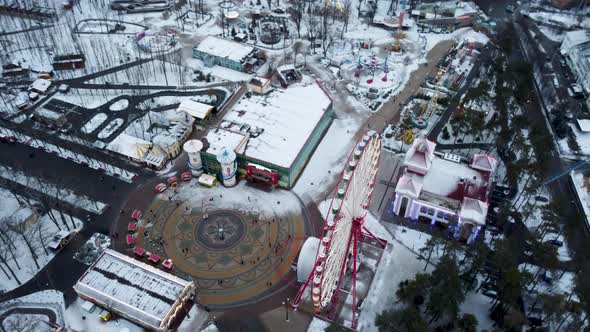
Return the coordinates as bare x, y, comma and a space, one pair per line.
399, 35
337, 254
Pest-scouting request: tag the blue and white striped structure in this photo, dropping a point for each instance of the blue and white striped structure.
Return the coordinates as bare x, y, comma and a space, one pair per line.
227, 160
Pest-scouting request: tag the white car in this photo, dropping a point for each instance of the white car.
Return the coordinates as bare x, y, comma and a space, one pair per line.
60, 239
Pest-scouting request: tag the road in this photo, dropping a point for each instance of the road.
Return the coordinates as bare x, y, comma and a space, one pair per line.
81, 180
577, 236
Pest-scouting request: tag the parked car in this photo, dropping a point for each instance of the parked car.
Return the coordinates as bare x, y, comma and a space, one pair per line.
489, 285
105, 315
490, 293
60, 239
556, 243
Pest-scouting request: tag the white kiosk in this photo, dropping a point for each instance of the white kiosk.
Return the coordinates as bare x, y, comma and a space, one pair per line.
227, 160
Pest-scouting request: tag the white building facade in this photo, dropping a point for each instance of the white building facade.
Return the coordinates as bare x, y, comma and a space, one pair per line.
443, 189
576, 48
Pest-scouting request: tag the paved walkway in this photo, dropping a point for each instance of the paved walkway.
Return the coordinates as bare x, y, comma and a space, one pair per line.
390, 111
234, 256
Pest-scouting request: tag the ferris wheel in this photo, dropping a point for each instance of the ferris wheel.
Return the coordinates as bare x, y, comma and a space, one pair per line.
336, 256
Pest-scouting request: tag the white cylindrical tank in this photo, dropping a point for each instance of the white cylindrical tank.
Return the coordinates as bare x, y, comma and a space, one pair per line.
227, 159
193, 149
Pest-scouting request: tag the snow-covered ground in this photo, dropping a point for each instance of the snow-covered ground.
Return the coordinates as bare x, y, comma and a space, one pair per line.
26, 226
241, 197
45, 300
94, 123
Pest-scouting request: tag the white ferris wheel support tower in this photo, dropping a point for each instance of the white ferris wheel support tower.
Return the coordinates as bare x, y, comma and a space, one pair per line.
344, 228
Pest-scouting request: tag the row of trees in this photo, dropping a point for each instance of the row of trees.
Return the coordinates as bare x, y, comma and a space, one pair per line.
31, 234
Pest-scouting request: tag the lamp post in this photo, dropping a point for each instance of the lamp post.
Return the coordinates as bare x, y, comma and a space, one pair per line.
286, 304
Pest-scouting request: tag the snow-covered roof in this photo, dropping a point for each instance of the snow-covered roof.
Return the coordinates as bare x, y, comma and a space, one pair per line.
129, 146
41, 85
193, 146
473, 210
577, 37
444, 177
409, 184
581, 185
194, 108
420, 155
584, 125
220, 138
259, 81
282, 119
484, 162
224, 48
131, 287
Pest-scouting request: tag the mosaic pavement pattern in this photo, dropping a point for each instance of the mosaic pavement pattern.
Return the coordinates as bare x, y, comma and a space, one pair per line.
234, 257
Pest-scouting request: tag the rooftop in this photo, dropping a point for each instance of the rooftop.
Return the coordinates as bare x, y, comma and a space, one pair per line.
131, 287
444, 179
224, 48
278, 124
195, 108
219, 138
41, 85
584, 125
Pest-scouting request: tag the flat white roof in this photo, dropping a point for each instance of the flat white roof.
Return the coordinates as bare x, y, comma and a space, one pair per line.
131, 287
194, 108
129, 146
444, 176
41, 85
581, 186
284, 120
584, 125
224, 48
219, 138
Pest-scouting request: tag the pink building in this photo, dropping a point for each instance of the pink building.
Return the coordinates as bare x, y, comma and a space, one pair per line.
444, 189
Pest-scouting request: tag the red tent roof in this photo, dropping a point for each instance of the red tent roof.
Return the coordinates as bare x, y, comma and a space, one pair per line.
131, 227
139, 251
172, 179
130, 240
136, 214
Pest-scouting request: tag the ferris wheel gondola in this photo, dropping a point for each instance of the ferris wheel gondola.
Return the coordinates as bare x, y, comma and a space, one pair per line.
337, 253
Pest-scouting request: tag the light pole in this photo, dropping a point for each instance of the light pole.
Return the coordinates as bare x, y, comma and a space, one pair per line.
286, 304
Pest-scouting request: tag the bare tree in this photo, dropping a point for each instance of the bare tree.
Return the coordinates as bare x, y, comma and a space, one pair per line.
5, 266
24, 232
297, 15
7, 242
346, 10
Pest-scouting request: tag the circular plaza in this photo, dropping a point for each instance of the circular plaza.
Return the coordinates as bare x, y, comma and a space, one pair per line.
237, 244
